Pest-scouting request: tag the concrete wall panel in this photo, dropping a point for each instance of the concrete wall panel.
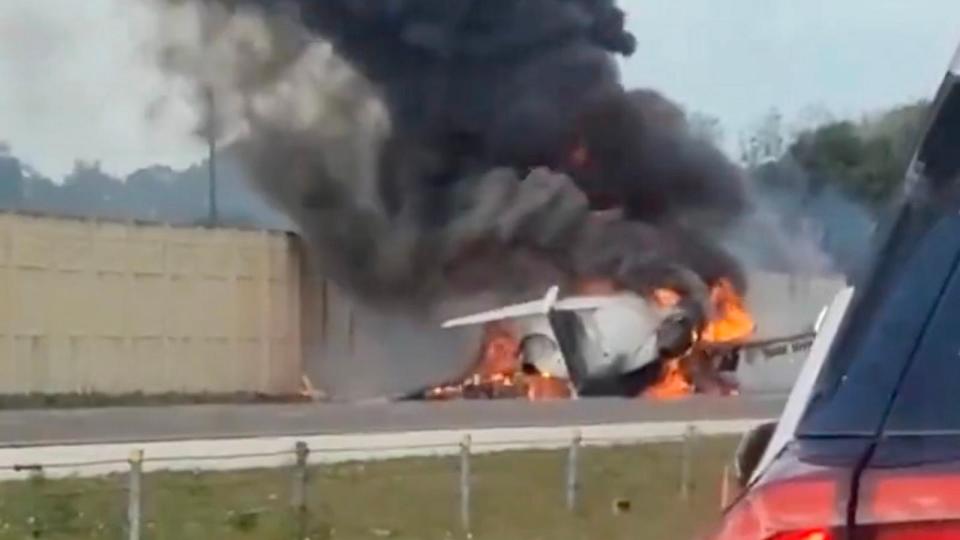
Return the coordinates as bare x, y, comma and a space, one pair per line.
90, 306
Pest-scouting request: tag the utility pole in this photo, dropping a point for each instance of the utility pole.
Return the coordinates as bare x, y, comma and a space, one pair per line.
212, 157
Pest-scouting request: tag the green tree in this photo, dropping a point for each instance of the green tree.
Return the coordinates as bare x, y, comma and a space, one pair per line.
91, 191
865, 160
838, 175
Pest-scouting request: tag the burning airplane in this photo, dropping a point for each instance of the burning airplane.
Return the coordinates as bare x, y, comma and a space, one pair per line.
602, 341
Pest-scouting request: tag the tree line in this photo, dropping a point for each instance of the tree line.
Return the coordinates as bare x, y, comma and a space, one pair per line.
836, 176
157, 193
834, 179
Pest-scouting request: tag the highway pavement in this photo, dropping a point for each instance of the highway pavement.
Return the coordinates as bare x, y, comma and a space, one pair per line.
27, 428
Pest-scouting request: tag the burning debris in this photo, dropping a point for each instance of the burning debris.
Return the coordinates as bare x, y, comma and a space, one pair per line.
500, 370
729, 326
445, 148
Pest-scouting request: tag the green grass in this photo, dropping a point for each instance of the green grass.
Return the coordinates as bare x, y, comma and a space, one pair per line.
515, 496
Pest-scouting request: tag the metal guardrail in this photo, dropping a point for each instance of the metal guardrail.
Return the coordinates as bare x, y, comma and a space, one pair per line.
299, 464
90, 460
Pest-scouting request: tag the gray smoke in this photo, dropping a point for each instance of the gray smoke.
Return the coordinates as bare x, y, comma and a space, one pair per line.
795, 229
431, 149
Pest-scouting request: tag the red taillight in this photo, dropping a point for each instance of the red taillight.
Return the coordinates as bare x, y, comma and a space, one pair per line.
914, 503
910, 503
911, 495
914, 531
816, 534
799, 507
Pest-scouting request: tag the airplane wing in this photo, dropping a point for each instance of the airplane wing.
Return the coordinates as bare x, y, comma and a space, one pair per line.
536, 307
514, 311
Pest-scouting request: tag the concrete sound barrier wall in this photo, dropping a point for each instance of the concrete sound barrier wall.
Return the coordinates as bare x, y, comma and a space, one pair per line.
95, 306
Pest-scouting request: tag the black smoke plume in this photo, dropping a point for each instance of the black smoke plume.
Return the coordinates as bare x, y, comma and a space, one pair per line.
436, 148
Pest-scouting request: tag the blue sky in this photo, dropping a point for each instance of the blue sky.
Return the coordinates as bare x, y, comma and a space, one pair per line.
77, 81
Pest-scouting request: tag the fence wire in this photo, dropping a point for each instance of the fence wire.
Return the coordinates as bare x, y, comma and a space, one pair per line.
654, 490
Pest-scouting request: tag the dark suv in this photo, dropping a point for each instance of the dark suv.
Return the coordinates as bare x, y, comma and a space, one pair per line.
875, 453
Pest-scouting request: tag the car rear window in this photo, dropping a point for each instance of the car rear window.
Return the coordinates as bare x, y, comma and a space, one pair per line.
929, 397
875, 347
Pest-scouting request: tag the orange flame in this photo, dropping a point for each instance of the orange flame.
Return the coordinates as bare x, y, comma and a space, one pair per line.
731, 321
673, 383
545, 386
499, 356
497, 373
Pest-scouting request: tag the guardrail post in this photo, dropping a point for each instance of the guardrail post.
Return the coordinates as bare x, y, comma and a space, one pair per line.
300, 480
686, 457
725, 487
572, 469
465, 485
135, 495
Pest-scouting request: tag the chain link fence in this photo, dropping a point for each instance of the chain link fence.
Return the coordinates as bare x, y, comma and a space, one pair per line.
604, 489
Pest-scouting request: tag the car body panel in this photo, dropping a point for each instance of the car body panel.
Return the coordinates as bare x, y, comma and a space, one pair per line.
802, 389
898, 474
911, 479
807, 487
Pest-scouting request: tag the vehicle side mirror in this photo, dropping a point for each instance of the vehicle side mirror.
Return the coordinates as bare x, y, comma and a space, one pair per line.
751, 448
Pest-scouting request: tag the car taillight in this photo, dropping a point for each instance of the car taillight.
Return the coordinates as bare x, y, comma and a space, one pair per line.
798, 501
816, 534
916, 503
806, 507
912, 531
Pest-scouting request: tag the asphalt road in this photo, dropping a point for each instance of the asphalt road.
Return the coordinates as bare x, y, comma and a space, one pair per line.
175, 423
